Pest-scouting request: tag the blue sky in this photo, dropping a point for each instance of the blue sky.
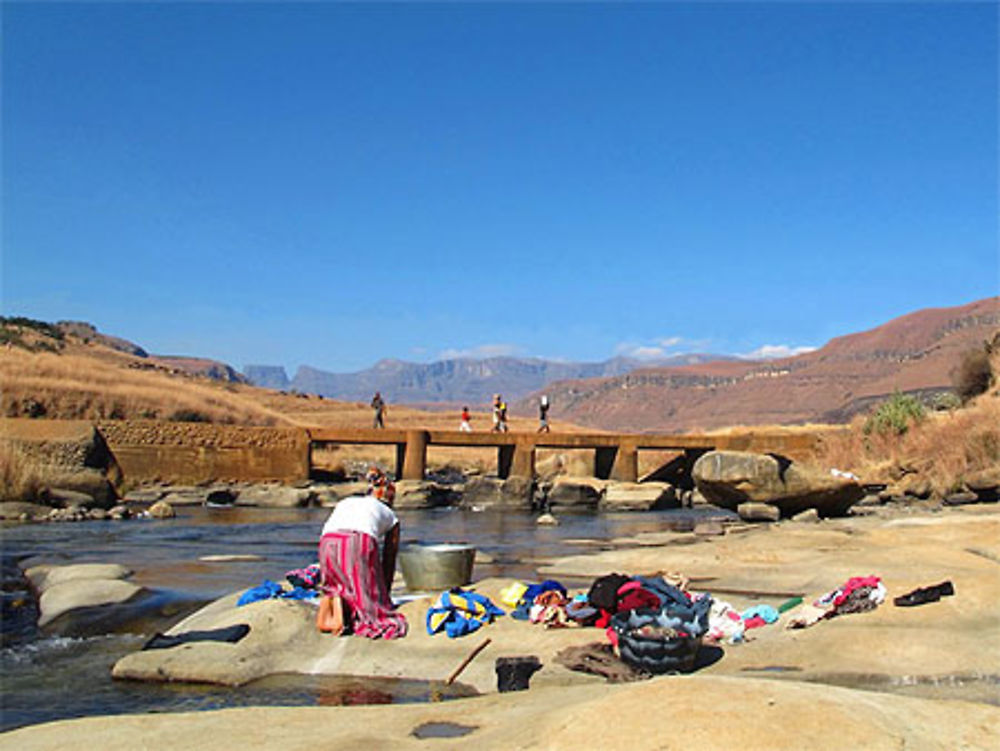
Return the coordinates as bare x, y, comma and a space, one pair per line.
330, 184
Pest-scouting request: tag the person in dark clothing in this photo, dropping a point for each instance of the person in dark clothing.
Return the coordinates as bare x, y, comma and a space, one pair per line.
378, 404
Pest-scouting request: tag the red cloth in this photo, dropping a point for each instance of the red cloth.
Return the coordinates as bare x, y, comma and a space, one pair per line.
638, 598
855, 582
755, 622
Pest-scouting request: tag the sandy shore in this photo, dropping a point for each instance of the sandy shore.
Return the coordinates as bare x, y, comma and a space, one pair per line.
924, 677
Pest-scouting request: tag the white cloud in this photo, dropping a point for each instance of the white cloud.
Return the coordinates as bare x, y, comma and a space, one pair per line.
646, 353
775, 352
656, 349
481, 352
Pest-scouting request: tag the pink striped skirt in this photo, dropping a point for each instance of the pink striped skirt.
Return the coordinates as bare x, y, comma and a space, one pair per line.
352, 570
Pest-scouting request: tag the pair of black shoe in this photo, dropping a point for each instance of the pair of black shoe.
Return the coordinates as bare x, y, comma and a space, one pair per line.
925, 595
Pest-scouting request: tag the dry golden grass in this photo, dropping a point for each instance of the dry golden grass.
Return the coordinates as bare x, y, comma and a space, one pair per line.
944, 448
78, 386
19, 478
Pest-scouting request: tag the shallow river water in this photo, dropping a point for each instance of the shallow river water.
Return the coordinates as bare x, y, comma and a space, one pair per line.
48, 677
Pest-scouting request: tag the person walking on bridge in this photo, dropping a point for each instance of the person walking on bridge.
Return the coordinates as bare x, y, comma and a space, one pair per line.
378, 404
543, 415
466, 426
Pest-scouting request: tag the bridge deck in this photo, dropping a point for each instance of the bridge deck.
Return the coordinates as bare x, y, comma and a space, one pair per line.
540, 440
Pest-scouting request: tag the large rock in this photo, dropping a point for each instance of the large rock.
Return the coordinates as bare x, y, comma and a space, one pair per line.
758, 512
90, 483
43, 577
63, 589
274, 496
417, 494
577, 492
86, 593
634, 496
729, 478
492, 492
162, 510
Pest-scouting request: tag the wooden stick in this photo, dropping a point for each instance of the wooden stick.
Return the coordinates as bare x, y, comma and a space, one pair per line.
465, 663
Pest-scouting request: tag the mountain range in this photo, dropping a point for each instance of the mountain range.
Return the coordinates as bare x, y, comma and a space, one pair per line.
452, 381
916, 353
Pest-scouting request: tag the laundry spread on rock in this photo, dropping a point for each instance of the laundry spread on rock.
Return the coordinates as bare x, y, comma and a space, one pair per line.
458, 612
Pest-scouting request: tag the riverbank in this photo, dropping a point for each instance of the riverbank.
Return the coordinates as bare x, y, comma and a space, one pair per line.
924, 676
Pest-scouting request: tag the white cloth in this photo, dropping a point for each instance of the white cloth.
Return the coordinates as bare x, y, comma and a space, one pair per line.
361, 513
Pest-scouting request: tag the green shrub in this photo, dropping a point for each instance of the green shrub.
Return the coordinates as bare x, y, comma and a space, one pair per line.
895, 414
946, 400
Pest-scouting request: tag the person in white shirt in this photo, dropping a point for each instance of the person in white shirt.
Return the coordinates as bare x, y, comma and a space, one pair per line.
357, 555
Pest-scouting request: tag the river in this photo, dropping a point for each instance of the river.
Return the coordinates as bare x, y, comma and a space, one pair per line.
49, 677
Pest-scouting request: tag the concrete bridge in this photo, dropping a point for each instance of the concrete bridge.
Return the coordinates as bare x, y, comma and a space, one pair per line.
616, 455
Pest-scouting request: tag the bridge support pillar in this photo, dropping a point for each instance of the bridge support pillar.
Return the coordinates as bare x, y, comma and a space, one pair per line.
414, 455
604, 461
626, 466
523, 461
505, 460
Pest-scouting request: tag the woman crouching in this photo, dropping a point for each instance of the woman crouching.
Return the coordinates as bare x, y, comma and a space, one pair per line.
357, 554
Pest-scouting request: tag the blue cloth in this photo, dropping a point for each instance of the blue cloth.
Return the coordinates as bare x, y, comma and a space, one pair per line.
769, 614
534, 590
460, 612
269, 590
522, 612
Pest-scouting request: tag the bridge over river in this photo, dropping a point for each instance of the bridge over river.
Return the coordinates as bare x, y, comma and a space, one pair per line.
616, 455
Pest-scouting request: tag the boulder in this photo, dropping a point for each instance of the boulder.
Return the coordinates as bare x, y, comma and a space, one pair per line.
634, 496
92, 483
492, 492
577, 492
119, 512
86, 593
547, 520
730, 478
809, 516
162, 510
758, 512
985, 484
275, 496
97, 514
45, 576
961, 499
63, 497
418, 494
84, 585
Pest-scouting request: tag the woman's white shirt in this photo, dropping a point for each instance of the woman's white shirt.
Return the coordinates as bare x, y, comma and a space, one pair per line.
361, 513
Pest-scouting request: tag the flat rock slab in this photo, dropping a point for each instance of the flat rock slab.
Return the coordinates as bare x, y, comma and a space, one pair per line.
713, 713
231, 557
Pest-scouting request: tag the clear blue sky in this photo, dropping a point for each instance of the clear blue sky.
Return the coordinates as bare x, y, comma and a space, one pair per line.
331, 184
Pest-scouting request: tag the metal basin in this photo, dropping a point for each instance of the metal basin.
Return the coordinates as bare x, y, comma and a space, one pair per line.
436, 567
